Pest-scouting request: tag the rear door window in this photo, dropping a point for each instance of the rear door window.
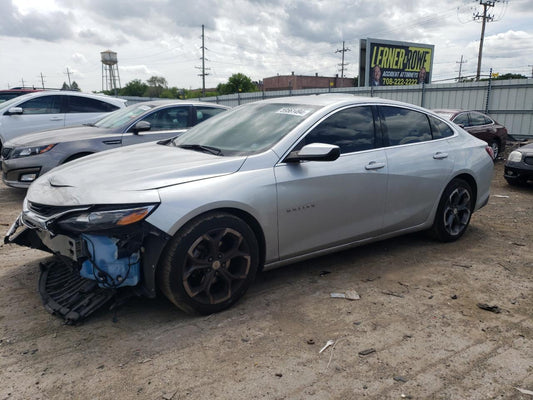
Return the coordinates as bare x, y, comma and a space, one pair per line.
78, 104
439, 129
203, 113
462, 119
477, 119
403, 126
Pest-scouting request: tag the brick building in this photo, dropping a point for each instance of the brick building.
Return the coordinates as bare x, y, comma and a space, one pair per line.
294, 82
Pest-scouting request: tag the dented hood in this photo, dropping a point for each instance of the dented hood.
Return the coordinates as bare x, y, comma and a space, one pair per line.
127, 175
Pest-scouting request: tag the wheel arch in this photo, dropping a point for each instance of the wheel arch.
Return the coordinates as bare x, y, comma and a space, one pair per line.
248, 218
471, 181
76, 156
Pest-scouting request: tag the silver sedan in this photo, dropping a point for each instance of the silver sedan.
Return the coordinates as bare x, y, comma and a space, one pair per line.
263, 185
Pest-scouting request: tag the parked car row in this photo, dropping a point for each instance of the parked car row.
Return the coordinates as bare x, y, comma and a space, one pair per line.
256, 187
26, 157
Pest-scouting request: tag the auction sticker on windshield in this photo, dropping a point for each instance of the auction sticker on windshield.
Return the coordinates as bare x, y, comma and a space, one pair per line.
297, 111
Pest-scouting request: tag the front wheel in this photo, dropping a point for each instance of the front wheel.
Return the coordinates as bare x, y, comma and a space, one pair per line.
209, 264
454, 211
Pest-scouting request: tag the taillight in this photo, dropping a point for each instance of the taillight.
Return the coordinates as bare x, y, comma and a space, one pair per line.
490, 151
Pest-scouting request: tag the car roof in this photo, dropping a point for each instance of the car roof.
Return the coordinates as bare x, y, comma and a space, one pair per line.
158, 103
2, 91
103, 97
335, 100
327, 99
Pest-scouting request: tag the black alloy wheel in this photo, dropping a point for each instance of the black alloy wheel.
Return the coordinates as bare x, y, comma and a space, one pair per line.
454, 211
209, 264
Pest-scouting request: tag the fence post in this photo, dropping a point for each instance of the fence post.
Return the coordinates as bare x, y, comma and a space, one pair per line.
423, 94
489, 88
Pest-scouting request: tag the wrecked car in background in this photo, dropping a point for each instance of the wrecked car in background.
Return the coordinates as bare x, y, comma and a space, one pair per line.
257, 187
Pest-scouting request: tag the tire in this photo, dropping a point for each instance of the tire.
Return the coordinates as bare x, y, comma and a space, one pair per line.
516, 181
495, 145
454, 211
209, 264
76, 156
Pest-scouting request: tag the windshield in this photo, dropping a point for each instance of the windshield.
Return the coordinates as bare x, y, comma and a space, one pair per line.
9, 103
122, 117
246, 130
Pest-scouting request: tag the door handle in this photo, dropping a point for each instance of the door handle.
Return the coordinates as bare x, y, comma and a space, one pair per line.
440, 156
113, 141
56, 119
372, 165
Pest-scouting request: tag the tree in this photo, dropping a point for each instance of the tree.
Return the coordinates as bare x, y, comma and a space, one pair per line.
156, 85
157, 81
74, 86
134, 88
237, 83
65, 86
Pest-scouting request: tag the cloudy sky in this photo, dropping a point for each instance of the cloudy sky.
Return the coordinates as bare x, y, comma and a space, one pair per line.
259, 38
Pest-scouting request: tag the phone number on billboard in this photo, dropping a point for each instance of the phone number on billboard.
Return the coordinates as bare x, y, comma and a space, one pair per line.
399, 81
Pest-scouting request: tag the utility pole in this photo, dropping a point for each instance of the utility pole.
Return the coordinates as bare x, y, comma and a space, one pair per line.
342, 64
203, 74
460, 67
531, 70
22, 80
68, 73
42, 79
484, 19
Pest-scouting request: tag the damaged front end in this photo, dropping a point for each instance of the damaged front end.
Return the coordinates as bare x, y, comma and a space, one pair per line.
111, 245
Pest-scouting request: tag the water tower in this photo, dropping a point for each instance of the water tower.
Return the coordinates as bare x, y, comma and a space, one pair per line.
110, 75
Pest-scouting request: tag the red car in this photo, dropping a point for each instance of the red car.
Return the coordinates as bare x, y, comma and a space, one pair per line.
481, 126
9, 94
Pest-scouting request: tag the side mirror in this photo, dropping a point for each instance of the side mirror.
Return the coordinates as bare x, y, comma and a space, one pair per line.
141, 126
15, 111
315, 152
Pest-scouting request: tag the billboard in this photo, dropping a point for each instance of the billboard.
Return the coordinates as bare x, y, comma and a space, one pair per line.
392, 63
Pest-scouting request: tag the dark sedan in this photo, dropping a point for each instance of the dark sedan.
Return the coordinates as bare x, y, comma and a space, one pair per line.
519, 165
481, 126
26, 157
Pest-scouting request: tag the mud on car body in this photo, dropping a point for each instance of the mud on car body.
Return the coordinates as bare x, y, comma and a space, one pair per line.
260, 186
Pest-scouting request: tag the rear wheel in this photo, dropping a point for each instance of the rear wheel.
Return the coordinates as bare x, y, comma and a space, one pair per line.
454, 211
209, 264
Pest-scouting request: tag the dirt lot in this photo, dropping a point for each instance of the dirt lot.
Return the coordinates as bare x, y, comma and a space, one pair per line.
418, 312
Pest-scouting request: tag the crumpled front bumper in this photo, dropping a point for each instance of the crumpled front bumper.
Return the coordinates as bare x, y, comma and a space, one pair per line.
127, 258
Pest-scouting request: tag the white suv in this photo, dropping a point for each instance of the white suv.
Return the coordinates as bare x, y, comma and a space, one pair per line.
51, 110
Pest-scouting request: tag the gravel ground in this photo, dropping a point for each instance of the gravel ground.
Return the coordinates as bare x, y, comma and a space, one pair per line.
416, 332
